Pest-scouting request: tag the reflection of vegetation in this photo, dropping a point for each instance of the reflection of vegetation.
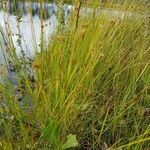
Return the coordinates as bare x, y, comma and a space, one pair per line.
23, 8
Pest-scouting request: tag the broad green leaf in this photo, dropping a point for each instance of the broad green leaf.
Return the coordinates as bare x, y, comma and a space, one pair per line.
71, 142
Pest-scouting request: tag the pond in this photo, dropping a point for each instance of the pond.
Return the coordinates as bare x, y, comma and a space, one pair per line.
30, 24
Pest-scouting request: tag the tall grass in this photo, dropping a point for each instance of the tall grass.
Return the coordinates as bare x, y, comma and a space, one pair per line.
90, 90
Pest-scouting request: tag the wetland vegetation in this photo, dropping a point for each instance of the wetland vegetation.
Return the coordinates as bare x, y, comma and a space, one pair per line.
75, 75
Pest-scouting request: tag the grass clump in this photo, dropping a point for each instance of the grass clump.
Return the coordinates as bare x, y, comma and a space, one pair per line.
91, 89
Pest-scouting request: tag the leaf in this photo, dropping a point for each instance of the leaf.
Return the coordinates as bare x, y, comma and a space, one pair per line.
85, 106
71, 142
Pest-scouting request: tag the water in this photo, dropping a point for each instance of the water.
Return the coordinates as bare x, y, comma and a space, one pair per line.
30, 25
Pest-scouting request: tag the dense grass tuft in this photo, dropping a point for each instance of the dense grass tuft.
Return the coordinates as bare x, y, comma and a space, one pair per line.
91, 89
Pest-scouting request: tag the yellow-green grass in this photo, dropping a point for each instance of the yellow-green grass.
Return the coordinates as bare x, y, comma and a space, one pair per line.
92, 81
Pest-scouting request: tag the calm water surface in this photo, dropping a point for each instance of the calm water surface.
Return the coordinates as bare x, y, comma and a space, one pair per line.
30, 25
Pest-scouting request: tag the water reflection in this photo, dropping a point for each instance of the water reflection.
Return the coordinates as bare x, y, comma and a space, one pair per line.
30, 25
24, 8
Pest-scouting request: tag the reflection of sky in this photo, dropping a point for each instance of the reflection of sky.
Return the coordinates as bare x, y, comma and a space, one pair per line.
30, 27
26, 27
